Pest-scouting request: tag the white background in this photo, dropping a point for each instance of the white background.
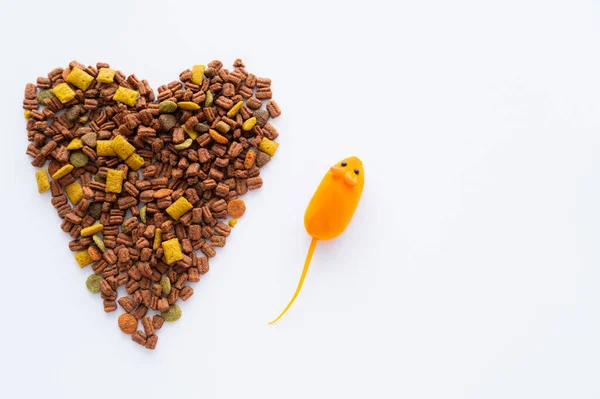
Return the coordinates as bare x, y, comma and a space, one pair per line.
471, 268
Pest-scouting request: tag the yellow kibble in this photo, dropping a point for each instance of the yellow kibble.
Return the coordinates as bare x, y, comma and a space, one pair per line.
235, 109
198, 74
75, 144
188, 105
63, 92
249, 124
126, 96
157, 239
80, 78
178, 208
74, 192
43, 182
232, 222
62, 172
27, 114
104, 148
268, 146
114, 181
83, 258
122, 147
172, 250
106, 75
135, 161
191, 132
91, 230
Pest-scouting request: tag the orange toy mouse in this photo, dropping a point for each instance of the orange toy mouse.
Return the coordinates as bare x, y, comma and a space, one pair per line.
331, 209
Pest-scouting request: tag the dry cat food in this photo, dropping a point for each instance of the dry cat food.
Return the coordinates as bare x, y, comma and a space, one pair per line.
142, 182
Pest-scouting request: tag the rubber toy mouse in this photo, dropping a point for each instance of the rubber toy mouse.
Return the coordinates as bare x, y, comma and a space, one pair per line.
331, 209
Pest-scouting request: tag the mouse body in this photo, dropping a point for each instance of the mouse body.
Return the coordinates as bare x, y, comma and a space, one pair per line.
331, 209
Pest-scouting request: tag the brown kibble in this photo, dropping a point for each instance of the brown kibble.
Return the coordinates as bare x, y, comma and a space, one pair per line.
127, 323
236, 208
151, 342
148, 325
139, 337
273, 109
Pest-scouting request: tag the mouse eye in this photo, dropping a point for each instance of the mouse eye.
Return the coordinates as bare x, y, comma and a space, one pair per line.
344, 164
356, 171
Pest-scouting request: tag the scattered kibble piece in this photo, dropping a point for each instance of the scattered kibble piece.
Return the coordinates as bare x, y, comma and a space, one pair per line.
104, 148
128, 323
106, 75
80, 79
75, 144
268, 146
134, 161
143, 214
235, 109
249, 124
167, 107
236, 208
179, 208
99, 242
121, 147
83, 258
217, 137
63, 92
78, 159
188, 105
126, 96
43, 182
157, 239
192, 133
74, 192
198, 74
173, 314
114, 181
165, 284
182, 146
62, 172
93, 283
91, 230
172, 250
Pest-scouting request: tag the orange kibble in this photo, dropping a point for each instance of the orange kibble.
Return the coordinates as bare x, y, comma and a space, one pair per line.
128, 323
217, 137
249, 161
236, 208
162, 193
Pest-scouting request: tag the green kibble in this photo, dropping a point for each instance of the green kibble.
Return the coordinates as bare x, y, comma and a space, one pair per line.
143, 214
99, 242
165, 283
99, 178
182, 146
209, 99
78, 159
167, 107
44, 94
93, 284
173, 314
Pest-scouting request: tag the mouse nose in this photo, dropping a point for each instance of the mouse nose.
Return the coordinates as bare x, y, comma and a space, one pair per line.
350, 179
336, 172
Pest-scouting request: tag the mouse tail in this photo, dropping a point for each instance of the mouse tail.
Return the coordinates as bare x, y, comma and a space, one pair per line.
311, 250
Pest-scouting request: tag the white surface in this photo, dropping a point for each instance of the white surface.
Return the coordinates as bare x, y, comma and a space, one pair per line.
471, 268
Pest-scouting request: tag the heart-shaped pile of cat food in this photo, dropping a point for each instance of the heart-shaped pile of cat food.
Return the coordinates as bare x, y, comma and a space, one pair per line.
142, 183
